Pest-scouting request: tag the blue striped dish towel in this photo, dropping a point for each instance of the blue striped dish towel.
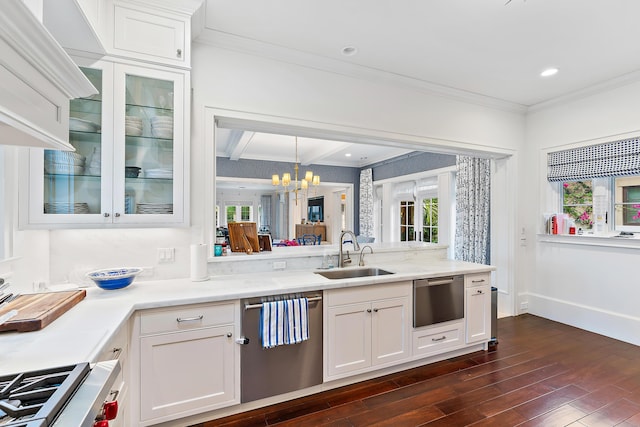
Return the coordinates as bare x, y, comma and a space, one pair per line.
284, 322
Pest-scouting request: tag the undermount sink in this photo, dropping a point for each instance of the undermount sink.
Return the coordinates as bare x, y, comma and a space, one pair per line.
350, 273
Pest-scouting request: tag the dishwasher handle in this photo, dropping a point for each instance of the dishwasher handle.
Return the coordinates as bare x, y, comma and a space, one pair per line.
433, 282
242, 341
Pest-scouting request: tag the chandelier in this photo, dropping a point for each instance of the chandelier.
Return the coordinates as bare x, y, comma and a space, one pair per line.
309, 178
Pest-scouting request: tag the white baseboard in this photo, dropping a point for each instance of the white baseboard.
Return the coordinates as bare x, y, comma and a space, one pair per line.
611, 324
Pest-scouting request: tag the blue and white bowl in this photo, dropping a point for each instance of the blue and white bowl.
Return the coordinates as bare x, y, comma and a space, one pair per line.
114, 278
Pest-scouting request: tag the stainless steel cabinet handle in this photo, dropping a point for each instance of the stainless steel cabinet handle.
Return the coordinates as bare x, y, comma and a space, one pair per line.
189, 319
179, 53
478, 281
106, 215
439, 339
242, 341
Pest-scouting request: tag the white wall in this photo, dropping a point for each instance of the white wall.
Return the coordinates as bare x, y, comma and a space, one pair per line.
233, 81
592, 287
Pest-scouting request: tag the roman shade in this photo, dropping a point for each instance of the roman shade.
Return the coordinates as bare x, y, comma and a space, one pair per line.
616, 158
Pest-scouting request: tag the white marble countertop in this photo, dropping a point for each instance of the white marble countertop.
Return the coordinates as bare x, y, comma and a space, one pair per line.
82, 333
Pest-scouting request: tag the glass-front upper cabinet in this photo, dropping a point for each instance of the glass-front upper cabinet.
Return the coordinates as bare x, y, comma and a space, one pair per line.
128, 167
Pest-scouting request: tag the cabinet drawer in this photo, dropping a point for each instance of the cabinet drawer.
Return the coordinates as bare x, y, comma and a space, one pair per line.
438, 339
477, 279
150, 35
185, 317
361, 294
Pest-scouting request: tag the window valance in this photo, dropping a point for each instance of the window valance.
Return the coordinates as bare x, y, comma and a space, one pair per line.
616, 158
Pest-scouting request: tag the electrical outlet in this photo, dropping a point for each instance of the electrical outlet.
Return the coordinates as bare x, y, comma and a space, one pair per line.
166, 254
279, 265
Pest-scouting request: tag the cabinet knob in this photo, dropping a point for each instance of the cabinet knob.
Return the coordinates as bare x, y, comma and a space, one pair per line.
479, 292
106, 215
179, 53
117, 214
229, 335
368, 310
375, 310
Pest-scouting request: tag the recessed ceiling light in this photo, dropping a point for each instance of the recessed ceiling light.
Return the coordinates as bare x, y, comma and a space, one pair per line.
349, 50
549, 72
347, 155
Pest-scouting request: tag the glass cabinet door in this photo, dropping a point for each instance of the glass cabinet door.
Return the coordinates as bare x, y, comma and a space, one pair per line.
149, 146
72, 180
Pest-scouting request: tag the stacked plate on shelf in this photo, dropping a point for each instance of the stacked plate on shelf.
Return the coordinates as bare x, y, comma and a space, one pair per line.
158, 173
66, 208
154, 208
63, 162
162, 127
132, 126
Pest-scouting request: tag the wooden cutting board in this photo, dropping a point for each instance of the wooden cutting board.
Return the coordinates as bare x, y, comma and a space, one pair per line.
243, 237
35, 311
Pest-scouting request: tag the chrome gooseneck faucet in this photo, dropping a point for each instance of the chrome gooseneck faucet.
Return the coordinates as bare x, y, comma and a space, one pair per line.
341, 259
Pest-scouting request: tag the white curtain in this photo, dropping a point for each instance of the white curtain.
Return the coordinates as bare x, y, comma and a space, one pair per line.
366, 202
473, 180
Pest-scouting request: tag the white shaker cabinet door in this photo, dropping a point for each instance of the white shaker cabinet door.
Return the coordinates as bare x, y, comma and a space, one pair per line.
151, 35
185, 373
478, 313
349, 333
390, 330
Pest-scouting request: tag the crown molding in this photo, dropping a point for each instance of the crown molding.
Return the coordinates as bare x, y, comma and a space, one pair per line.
254, 47
592, 90
187, 7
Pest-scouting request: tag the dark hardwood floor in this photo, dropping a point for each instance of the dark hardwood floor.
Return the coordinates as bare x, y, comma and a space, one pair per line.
542, 373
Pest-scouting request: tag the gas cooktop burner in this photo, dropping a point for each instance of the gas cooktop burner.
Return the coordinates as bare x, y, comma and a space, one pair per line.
34, 399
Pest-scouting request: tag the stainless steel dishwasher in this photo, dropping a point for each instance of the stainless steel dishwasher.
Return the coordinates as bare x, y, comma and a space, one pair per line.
271, 371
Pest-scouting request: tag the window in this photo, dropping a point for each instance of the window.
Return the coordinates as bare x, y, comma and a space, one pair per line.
577, 202
627, 203
588, 203
430, 220
245, 213
235, 213
406, 221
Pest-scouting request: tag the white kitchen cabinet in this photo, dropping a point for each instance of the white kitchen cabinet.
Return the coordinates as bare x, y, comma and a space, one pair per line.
138, 120
366, 328
477, 307
150, 35
437, 339
148, 31
186, 363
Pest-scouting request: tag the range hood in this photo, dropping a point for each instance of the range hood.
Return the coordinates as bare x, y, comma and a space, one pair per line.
37, 81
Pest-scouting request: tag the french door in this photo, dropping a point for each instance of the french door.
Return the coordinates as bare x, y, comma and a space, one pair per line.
419, 220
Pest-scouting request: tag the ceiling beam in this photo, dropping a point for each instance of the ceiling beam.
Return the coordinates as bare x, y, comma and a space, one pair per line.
238, 142
322, 151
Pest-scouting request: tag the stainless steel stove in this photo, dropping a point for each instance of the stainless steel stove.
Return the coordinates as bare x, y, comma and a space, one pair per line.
67, 396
